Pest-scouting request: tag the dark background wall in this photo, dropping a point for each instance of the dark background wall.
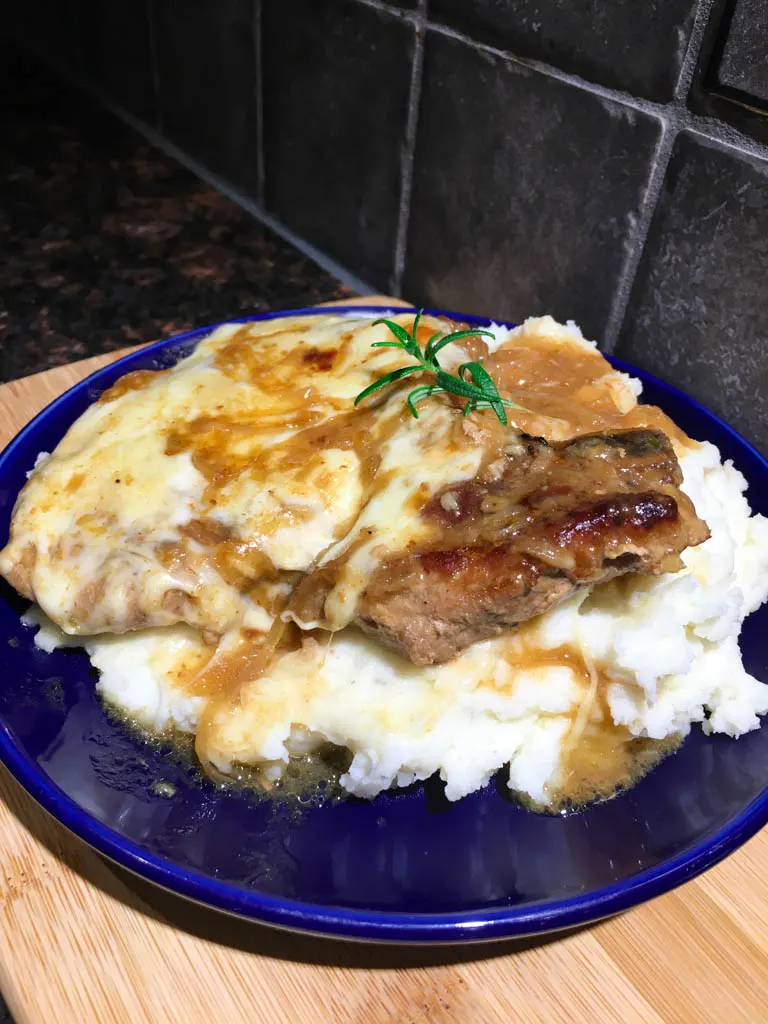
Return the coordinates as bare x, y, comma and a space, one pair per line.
602, 160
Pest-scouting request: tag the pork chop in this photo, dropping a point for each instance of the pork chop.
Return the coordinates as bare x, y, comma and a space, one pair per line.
542, 521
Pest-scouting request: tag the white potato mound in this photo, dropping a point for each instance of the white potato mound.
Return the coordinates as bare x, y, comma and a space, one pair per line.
136, 670
669, 645
666, 646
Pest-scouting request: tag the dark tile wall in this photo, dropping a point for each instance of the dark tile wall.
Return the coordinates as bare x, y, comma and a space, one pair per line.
116, 52
207, 83
730, 83
699, 309
744, 61
51, 27
335, 116
489, 213
604, 160
626, 44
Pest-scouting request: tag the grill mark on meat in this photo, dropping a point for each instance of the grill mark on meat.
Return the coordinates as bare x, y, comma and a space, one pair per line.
634, 513
559, 517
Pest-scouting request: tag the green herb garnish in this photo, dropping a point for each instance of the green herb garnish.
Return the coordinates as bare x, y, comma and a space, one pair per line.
480, 391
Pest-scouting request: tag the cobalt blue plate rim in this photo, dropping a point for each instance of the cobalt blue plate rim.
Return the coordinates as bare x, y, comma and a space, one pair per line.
343, 922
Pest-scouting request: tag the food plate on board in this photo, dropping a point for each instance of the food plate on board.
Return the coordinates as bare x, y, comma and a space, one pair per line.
369, 849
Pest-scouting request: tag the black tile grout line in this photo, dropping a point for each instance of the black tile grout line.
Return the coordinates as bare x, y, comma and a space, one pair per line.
705, 10
674, 117
407, 157
156, 138
670, 128
637, 237
404, 14
258, 86
550, 71
416, 18
722, 135
674, 111
226, 188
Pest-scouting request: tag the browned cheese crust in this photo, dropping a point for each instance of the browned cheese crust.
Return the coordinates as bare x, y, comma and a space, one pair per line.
545, 520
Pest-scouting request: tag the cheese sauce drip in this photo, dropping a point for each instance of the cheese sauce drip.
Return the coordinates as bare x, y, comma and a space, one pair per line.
197, 494
391, 697
242, 492
209, 492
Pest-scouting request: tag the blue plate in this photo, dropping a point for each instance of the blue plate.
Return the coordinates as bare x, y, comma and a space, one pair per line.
409, 866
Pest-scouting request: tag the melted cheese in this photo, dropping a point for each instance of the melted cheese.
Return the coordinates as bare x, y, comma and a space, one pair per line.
232, 478
202, 493
400, 722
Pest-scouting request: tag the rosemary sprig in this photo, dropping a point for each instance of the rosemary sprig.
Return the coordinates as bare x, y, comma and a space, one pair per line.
472, 381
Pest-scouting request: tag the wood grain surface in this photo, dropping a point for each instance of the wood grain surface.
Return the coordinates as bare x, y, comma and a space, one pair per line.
82, 941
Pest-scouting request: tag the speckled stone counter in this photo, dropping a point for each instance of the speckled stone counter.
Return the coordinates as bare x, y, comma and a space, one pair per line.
107, 242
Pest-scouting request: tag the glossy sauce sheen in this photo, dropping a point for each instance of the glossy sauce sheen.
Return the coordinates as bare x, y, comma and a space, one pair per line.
568, 392
600, 757
296, 496
563, 384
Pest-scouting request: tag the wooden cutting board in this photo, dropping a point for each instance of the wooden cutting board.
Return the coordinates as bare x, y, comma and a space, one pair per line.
82, 941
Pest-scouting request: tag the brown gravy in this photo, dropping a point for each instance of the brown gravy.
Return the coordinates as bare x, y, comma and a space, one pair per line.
560, 388
136, 380
606, 760
599, 758
563, 394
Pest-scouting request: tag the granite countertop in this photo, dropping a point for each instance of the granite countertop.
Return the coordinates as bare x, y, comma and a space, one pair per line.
107, 242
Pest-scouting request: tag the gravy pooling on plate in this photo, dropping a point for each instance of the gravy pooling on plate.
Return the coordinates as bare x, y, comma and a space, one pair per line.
225, 529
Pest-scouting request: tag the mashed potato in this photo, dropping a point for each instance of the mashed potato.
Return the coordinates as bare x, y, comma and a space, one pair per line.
641, 656
665, 647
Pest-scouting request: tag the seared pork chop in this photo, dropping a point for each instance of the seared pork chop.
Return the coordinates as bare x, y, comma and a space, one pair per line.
542, 521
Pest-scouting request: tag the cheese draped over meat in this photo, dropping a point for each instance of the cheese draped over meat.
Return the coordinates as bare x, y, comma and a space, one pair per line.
208, 492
